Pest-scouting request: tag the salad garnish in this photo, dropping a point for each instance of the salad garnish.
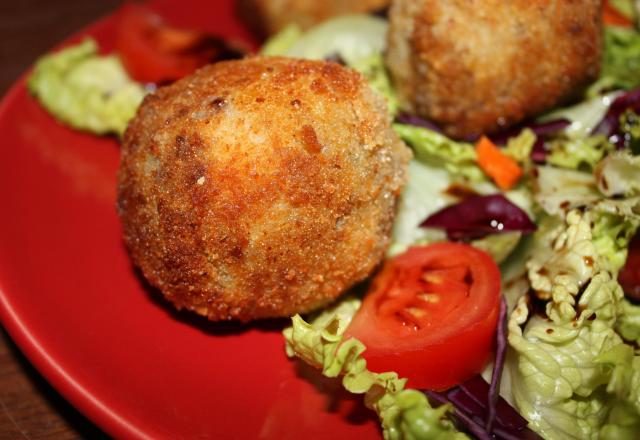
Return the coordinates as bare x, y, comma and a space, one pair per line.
479, 216
560, 231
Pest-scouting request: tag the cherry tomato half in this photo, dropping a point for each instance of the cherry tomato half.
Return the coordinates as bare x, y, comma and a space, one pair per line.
154, 52
431, 315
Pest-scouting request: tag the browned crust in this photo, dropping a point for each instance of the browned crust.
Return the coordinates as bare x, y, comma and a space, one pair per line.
478, 66
259, 188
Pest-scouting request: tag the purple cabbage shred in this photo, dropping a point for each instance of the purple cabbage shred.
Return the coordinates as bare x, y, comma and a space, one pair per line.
417, 121
498, 365
541, 129
478, 407
478, 216
610, 123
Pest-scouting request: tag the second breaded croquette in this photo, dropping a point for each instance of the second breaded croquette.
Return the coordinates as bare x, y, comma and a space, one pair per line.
260, 188
476, 67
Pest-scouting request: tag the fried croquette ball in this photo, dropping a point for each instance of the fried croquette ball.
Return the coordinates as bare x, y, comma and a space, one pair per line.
271, 16
475, 67
261, 187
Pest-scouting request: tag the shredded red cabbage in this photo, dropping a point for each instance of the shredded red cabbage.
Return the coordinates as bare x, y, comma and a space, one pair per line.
610, 124
479, 216
417, 121
498, 365
541, 129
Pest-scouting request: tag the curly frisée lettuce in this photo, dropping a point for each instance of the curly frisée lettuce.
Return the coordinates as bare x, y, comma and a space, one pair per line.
85, 90
563, 380
404, 413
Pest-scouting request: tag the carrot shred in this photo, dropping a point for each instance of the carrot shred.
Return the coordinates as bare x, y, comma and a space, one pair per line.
501, 168
612, 17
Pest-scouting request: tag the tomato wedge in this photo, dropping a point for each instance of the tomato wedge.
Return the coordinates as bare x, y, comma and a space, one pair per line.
154, 52
431, 315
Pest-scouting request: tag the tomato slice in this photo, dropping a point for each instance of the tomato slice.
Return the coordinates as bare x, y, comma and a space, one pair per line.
154, 52
431, 315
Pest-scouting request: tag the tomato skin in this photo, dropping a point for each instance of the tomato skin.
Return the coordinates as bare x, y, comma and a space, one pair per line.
455, 336
154, 52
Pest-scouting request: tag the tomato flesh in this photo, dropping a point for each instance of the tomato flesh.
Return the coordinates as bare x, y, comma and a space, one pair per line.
154, 52
430, 315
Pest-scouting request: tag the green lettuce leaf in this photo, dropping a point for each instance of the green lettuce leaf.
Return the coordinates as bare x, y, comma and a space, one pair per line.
578, 152
611, 236
519, 147
432, 148
628, 325
559, 190
623, 367
620, 64
85, 90
374, 70
352, 37
404, 414
619, 175
358, 39
583, 117
423, 194
281, 43
561, 374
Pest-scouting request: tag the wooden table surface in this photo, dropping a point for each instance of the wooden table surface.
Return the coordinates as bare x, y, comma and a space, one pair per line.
29, 407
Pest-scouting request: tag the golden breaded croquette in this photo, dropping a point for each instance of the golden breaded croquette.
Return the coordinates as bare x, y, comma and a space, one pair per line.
475, 67
270, 16
261, 187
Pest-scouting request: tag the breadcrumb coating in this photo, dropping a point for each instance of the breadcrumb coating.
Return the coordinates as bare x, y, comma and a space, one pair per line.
260, 188
475, 67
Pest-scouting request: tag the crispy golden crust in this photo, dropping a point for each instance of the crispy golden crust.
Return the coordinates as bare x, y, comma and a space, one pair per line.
475, 67
261, 187
270, 16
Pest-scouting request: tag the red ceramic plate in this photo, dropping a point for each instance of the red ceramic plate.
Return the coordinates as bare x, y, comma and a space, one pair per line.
74, 304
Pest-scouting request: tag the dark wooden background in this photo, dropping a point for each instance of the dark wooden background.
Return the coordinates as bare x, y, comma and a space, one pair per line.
29, 407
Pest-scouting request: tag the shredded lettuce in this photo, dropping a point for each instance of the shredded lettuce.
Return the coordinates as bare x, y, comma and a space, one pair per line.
558, 190
430, 147
575, 153
85, 90
352, 37
373, 68
423, 194
559, 383
519, 147
619, 175
281, 43
620, 64
585, 116
629, 323
359, 40
404, 414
